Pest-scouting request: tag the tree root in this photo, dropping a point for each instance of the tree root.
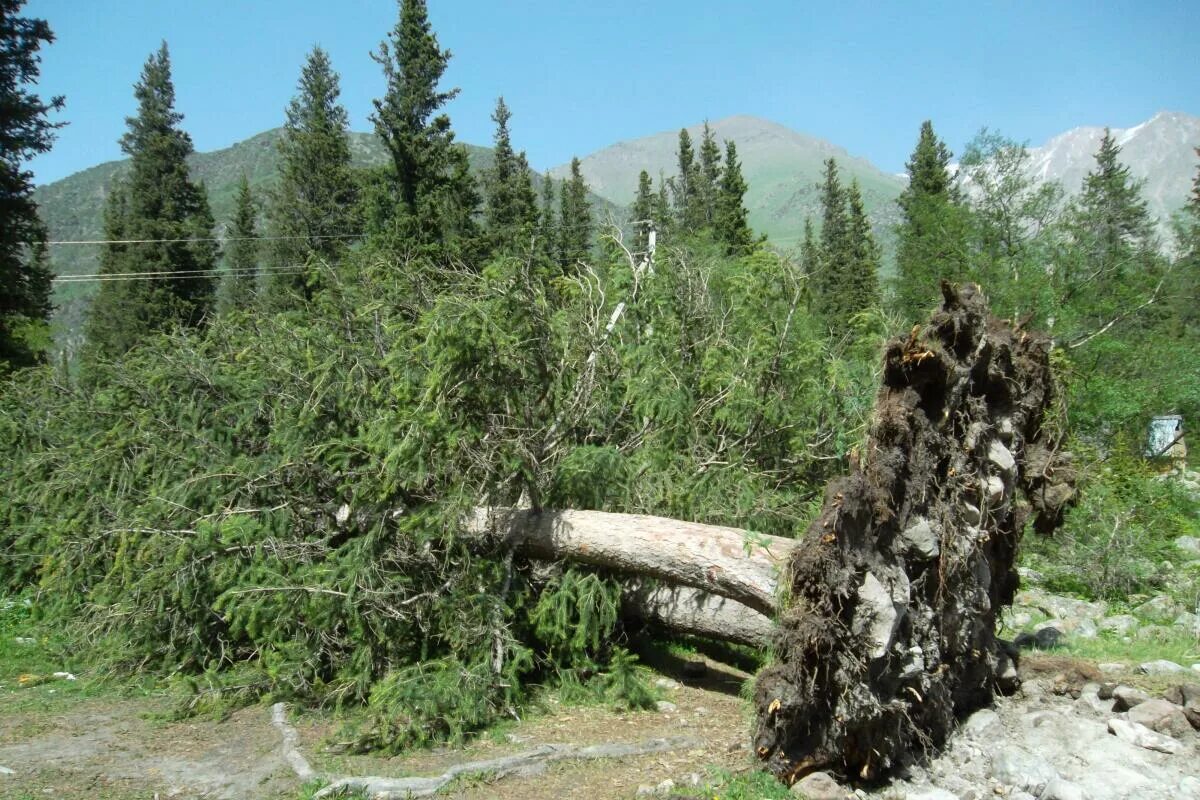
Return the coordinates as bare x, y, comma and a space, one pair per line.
530, 762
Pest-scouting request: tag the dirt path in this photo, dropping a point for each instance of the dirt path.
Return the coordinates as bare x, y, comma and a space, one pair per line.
116, 749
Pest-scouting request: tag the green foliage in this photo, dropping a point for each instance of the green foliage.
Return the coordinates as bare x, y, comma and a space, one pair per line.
511, 212
933, 233
25, 132
576, 614
574, 220
240, 286
688, 205
311, 214
1118, 541
730, 216
430, 196
167, 215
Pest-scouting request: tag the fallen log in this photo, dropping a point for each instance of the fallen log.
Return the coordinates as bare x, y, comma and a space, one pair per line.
694, 611
728, 562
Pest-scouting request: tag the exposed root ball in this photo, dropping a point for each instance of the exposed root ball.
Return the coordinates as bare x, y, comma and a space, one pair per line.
895, 588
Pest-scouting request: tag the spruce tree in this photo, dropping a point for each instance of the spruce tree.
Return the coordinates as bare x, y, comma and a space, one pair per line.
311, 214
434, 192
642, 213
832, 262
575, 219
933, 232
731, 224
547, 220
25, 131
158, 204
708, 177
1111, 219
689, 213
241, 284
1111, 265
511, 211
862, 282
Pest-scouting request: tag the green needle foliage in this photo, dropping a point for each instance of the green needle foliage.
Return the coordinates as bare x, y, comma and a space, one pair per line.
24, 132
311, 213
166, 215
241, 285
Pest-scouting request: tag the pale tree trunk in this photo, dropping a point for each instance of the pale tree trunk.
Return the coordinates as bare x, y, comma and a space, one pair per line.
727, 562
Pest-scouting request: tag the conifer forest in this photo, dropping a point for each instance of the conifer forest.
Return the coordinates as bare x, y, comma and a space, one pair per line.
419, 444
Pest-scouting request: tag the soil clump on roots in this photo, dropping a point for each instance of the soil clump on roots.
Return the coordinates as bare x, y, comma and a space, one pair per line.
888, 636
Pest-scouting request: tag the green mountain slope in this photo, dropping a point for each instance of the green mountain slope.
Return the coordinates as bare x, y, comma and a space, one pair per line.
73, 208
781, 166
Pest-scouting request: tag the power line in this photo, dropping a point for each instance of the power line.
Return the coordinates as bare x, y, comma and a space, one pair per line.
173, 276
208, 239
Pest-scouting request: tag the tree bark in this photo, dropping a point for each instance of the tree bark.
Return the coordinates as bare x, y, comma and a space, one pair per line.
726, 562
696, 612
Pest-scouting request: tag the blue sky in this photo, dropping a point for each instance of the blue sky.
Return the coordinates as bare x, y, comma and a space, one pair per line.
582, 75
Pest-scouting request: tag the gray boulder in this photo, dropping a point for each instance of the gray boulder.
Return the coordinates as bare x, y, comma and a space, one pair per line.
1142, 736
1161, 716
1022, 770
1126, 697
1160, 667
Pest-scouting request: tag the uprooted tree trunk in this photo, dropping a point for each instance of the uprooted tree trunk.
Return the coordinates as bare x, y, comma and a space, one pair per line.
896, 586
889, 633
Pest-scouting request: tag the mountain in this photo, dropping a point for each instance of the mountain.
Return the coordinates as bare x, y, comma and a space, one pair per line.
781, 166
1160, 151
73, 208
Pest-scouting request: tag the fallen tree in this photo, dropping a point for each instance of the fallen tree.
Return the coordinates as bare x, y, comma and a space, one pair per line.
888, 631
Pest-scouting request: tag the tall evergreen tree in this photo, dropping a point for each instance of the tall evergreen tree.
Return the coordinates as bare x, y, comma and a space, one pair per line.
575, 219
511, 212
933, 233
158, 204
642, 213
25, 131
832, 263
664, 220
708, 176
685, 187
241, 284
731, 223
312, 211
862, 282
547, 220
435, 195
1111, 265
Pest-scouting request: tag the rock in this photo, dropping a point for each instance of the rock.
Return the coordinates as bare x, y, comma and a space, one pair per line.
1142, 736
819, 786
877, 614
1188, 547
1160, 667
1119, 624
931, 794
999, 455
1105, 692
1160, 608
1083, 628
1110, 667
980, 723
920, 540
1127, 697
7, 771
1189, 787
1091, 701
644, 790
972, 515
666, 707
1155, 633
1187, 697
1188, 621
1022, 770
1059, 789
666, 787
993, 490
1161, 716
666, 683
1195, 667
1030, 575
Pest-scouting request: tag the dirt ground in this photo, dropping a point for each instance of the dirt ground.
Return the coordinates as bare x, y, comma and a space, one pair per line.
123, 748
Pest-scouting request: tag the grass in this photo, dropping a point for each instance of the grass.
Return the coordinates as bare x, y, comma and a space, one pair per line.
751, 785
